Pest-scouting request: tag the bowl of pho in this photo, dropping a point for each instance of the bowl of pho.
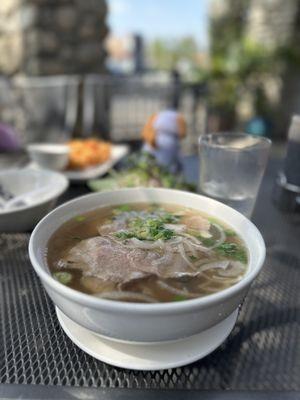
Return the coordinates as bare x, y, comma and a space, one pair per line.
146, 265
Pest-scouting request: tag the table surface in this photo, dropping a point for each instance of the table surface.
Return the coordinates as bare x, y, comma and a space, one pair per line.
261, 354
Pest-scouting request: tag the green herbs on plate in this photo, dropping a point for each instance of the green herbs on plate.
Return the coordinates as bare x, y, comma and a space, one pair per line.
140, 170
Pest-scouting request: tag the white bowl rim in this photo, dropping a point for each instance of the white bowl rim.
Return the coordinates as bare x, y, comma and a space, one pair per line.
58, 189
61, 148
142, 308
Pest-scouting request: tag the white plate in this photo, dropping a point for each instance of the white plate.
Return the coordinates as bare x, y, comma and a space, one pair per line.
118, 151
156, 356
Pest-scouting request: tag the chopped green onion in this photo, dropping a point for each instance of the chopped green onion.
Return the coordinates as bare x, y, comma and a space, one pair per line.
80, 218
63, 277
205, 235
212, 220
179, 297
123, 207
193, 258
230, 233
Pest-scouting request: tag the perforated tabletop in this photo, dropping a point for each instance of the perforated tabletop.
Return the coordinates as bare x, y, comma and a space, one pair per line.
262, 352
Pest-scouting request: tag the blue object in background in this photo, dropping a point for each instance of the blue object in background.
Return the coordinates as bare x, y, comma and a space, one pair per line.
258, 126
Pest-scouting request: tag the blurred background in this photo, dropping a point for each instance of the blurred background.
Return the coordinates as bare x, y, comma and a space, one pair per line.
101, 67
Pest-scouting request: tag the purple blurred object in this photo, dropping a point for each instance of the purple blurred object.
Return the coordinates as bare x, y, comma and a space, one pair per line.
9, 140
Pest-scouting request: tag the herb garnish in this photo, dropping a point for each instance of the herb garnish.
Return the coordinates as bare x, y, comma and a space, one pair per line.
63, 277
80, 218
123, 207
233, 251
179, 298
207, 242
229, 233
149, 228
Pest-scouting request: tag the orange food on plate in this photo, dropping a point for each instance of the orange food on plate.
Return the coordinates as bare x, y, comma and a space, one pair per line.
85, 153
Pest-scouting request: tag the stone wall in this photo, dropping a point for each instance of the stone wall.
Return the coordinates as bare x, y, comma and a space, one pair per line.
271, 22
50, 37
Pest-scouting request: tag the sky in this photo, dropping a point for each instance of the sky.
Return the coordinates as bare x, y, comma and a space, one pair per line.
160, 18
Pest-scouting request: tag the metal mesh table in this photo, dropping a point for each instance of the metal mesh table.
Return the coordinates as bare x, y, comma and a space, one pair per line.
262, 352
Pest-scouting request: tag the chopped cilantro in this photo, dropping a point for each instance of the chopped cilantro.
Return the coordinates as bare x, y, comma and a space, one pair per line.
207, 242
169, 218
164, 234
150, 228
124, 235
193, 258
233, 251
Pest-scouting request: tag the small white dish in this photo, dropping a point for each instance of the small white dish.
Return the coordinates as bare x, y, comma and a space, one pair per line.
49, 155
117, 153
154, 356
44, 186
81, 176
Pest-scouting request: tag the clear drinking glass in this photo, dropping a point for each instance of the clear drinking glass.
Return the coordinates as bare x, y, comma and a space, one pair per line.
231, 168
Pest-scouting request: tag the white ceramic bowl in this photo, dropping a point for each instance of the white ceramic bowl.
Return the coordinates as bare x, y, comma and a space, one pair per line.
49, 155
146, 322
50, 186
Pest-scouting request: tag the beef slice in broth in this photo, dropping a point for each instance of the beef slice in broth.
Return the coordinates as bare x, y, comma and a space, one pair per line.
111, 261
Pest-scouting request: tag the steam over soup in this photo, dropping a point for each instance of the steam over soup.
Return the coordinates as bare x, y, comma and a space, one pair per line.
147, 253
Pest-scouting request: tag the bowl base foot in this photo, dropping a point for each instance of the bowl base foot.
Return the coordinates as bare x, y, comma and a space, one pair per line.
158, 356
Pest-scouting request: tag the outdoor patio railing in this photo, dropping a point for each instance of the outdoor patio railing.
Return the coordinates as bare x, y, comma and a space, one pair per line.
113, 107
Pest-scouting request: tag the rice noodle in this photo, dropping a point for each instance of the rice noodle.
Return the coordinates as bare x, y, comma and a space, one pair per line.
125, 215
112, 239
175, 240
192, 238
165, 259
196, 243
184, 256
190, 248
135, 243
124, 295
106, 240
222, 237
225, 280
177, 228
102, 228
213, 265
173, 290
209, 289
236, 268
